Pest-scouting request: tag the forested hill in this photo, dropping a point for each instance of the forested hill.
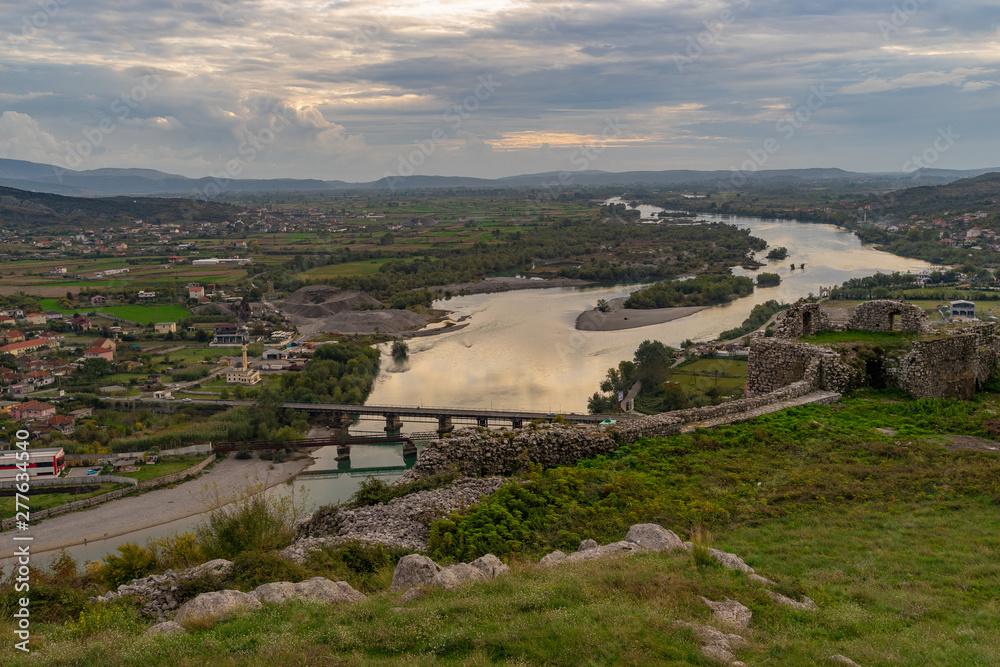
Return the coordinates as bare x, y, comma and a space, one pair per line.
969, 194
20, 208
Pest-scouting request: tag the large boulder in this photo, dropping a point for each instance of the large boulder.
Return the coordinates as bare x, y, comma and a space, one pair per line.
317, 589
715, 644
587, 544
490, 565
455, 575
552, 558
413, 570
207, 609
654, 537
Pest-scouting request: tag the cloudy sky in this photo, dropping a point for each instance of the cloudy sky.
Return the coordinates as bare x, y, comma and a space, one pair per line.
339, 89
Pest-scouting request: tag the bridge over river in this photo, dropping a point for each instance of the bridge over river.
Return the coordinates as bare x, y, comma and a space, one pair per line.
341, 415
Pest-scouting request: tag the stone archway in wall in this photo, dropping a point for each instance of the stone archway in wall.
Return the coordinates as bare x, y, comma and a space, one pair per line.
807, 323
889, 315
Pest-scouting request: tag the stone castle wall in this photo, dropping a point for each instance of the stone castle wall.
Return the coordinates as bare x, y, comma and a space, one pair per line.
954, 365
805, 318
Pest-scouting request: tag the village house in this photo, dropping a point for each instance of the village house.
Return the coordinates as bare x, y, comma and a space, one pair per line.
7, 321
35, 318
165, 327
13, 336
33, 410
80, 323
99, 353
98, 300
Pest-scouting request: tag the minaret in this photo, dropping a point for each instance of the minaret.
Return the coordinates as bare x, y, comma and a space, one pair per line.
245, 367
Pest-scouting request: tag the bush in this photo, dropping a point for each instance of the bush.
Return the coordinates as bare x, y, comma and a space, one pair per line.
243, 455
253, 568
133, 562
249, 520
119, 616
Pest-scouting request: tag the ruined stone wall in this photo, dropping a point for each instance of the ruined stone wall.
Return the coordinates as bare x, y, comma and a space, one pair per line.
775, 363
481, 452
802, 319
942, 368
879, 315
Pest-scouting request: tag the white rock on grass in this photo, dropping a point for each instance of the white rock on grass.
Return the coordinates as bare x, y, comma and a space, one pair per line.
621, 548
209, 608
552, 558
490, 565
413, 570
715, 644
805, 605
317, 589
456, 575
653, 537
729, 613
843, 660
167, 627
588, 544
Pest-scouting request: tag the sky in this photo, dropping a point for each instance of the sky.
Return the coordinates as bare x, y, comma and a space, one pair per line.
356, 91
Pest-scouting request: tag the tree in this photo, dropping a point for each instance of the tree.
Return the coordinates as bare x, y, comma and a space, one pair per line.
400, 349
254, 246
778, 253
653, 360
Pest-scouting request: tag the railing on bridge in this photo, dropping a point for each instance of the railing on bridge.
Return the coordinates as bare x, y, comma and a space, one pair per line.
307, 443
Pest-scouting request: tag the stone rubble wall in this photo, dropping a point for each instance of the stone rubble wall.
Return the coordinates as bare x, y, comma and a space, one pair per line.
480, 452
802, 319
402, 522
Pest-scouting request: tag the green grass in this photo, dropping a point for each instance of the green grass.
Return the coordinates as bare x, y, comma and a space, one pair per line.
44, 501
143, 314
161, 469
703, 374
365, 268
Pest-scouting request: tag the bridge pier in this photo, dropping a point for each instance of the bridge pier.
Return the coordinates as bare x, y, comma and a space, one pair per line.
445, 425
343, 453
341, 419
483, 421
517, 422
409, 449
393, 424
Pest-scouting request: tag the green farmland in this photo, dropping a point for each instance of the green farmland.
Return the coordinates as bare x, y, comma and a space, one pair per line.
134, 313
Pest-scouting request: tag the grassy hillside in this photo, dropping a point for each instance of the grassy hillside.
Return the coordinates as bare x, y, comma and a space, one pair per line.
883, 509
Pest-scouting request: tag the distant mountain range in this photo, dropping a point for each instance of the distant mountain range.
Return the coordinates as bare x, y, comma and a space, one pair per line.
37, 177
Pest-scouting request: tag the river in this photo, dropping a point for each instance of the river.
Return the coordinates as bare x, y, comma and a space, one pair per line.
522, 350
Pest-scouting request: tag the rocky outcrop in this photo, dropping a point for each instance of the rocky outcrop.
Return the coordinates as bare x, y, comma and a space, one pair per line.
415, 572
208, 609
715, 644
805, 605
843, 660
402, 522
729, 613
653, 537
159, 592
317, 589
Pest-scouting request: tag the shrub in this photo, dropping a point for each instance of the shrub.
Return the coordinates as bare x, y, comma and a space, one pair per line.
133, 562
249, 520
253, 568
120, 616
